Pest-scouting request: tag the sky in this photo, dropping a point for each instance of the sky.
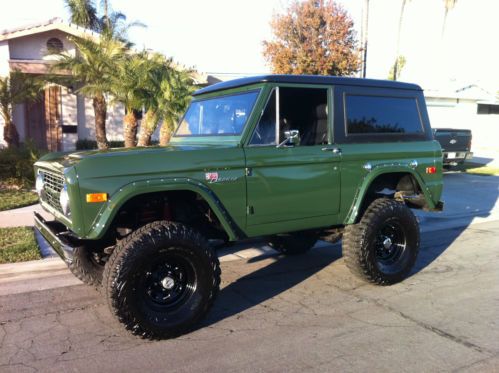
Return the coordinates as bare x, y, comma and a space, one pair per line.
225, 36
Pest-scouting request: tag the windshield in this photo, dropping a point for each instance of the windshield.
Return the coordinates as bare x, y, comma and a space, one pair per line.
225, 115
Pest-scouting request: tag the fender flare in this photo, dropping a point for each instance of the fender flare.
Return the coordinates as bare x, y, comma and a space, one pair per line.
377, 171
108, 212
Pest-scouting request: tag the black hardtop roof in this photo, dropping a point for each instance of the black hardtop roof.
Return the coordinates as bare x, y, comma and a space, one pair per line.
307, 79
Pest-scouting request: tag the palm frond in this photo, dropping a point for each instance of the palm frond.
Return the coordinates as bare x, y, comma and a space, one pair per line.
83, 13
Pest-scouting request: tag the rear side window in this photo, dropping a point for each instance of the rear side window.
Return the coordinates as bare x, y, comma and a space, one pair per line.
382, 115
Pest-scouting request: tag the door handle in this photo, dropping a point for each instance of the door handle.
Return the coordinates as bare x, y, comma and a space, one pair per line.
333, 149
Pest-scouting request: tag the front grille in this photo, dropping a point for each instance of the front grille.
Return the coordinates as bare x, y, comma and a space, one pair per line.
52, 187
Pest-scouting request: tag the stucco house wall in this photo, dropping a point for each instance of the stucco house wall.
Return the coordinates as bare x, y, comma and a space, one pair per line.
26, 49
86, 120
34, 47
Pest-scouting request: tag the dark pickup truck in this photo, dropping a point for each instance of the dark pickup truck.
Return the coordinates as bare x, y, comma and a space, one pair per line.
456, 145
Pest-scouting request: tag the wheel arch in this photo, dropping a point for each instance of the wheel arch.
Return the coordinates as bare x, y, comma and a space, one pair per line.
395, 178
117, 200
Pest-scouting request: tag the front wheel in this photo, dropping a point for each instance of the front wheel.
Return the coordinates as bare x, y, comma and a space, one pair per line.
382, 248
161, 280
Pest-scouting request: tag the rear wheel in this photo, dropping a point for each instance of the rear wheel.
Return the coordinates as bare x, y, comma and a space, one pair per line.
293, 243
161, 280
382, 248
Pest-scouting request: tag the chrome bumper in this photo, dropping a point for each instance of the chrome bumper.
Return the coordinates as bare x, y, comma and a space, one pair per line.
51, 231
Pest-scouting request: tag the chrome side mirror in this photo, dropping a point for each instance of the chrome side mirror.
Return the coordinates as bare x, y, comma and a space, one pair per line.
292, 138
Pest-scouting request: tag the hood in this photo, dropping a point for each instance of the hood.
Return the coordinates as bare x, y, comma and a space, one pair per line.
136, 163
124, 152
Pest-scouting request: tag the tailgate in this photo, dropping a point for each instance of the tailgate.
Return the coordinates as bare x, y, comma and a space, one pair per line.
453, 140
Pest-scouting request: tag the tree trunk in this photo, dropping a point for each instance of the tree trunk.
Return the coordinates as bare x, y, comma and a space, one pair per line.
147, 127
10, 134
130, 130
165, 133
100, 112
397, 52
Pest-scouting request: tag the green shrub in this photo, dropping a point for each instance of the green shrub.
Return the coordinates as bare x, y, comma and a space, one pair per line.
16, 165
86, 144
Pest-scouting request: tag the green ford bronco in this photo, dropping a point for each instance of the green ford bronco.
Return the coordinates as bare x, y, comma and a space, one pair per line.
293, 159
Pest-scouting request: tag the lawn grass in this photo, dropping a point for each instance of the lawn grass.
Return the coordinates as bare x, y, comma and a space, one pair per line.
479, 169
11, 198
18, 245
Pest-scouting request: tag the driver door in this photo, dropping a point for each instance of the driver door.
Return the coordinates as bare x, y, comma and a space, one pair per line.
292, 185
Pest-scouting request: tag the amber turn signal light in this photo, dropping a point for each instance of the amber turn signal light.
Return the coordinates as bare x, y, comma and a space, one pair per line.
431, 170
96, 197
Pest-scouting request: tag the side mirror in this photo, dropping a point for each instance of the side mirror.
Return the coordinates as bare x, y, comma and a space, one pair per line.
292, 138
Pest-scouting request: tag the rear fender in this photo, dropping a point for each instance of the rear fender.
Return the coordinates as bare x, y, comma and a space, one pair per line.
374, 173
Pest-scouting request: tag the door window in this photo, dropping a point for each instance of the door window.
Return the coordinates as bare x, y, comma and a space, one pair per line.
302, 109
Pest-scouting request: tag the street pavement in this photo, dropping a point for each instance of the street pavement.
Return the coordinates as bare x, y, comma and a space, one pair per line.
283, 314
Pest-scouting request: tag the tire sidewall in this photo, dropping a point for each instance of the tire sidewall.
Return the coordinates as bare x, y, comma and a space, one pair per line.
85, 268
402, 215
144, 250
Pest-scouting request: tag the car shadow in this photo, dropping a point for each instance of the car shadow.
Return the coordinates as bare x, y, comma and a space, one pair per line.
466, 196
282, 274
482, 160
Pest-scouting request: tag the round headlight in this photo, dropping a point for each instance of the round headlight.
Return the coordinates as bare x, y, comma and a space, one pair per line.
39, 184
64, 200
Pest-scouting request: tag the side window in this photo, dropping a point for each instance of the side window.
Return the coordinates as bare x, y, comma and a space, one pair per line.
305, 110
265, 130
302, 109
377, 114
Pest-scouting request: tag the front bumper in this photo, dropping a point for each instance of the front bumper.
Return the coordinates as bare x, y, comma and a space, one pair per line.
53, 232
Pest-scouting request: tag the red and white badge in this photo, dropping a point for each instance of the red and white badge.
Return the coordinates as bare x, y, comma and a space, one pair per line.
212, 177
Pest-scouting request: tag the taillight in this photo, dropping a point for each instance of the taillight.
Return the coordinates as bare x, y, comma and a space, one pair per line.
431, 170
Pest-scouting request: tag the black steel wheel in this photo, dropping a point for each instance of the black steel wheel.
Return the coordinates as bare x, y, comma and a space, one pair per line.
382, 248
390, 245
168, 282
161, 280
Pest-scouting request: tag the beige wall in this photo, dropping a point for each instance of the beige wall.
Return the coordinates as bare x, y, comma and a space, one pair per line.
4, 58
86, 120
34, 47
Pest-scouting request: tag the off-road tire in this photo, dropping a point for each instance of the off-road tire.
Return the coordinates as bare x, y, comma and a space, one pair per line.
131, 280
362, 243
85, 267
293, 243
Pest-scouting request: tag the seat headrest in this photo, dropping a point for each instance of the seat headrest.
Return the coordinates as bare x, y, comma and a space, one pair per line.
321, 111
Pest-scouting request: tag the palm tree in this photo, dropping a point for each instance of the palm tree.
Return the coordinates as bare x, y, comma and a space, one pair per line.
176, 94
158, 71
449, 5
93, 69
130, 88
396, 64
83, 13
168, 94
15, 89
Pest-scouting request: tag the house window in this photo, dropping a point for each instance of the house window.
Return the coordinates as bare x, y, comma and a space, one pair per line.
54, 45
486, 109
